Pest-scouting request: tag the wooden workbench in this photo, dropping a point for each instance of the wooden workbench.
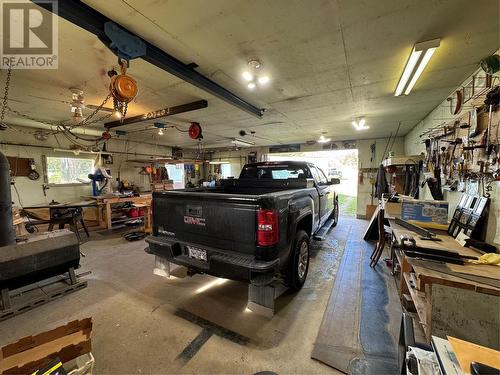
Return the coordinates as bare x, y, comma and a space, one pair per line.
450, 299
148, 224
106, 207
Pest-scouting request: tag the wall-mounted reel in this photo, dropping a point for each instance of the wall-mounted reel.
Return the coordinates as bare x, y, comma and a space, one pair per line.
195, 131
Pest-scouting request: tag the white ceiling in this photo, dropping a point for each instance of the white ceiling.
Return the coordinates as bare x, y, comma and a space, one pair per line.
329, 60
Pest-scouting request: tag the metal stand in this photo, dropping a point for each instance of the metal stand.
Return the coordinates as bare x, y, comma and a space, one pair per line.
6, 304
17, 301
261, 298
162, 267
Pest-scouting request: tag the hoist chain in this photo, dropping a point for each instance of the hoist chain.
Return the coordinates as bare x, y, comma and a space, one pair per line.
88, 119
121, 108
4, 126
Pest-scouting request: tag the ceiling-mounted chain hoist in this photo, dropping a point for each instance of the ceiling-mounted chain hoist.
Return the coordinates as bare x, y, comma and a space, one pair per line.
122, 87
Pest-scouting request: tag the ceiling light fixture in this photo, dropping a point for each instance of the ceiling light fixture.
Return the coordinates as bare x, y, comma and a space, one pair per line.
360, 124
77, 115
241, 142
160, 126
247, 76
217, 162
263, 80
254, 75
322, 139
419, 58
254, 64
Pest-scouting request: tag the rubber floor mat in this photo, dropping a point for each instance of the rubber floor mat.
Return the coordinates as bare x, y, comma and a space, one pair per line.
358, 333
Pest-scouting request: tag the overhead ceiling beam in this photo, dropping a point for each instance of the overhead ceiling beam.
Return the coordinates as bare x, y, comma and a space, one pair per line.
164, 112
91, 20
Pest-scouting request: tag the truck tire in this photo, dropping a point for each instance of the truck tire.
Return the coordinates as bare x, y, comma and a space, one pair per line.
335, 213
299, 261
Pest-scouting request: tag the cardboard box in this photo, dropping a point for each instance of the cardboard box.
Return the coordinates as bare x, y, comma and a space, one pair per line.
392, 209
32, 352
425, 211
370, 209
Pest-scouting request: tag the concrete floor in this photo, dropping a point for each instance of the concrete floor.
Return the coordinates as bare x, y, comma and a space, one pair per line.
142, 322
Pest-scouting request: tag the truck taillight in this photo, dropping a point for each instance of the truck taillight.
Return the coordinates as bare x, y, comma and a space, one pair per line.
267, 227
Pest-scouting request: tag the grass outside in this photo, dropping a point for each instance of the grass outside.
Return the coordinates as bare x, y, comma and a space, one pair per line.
347, 205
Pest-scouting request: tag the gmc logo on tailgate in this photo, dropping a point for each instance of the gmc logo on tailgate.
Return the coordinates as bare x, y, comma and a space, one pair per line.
194, 221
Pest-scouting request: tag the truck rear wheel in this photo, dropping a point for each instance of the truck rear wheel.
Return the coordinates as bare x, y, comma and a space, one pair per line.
335, 213
299, 261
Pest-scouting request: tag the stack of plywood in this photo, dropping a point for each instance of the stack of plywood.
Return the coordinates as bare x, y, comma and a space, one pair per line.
33, 352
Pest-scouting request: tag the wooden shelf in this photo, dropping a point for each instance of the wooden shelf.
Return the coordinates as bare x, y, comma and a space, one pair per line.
126, 219
421, 304
402, 160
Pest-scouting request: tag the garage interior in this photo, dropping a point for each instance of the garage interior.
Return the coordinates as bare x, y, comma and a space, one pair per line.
250, 187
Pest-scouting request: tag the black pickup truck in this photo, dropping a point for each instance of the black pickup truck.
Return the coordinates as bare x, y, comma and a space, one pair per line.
253, 228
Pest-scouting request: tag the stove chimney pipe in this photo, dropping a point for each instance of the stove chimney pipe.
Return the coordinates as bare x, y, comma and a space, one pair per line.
7, 235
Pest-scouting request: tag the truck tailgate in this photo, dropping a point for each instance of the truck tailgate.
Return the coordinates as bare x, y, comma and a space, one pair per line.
223, 221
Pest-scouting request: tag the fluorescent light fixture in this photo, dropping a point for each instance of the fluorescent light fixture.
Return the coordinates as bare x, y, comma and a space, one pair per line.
410, 66
322, 139
263, 80
420, 69
420, 56
251, 85
77, 152
218, 162
241, 142
247, 76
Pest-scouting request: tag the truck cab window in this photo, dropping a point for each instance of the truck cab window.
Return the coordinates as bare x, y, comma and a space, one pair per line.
319, 176
283, 174
322, 177
315, 173
275, 172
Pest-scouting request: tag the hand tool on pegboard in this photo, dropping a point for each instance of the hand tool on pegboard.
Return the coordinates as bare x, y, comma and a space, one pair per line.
428, 143
488, 130
457, 141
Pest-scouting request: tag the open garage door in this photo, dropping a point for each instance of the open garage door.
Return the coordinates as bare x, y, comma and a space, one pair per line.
342, 164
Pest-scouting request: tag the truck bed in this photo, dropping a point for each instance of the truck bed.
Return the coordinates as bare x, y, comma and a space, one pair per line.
222, 217
250, 229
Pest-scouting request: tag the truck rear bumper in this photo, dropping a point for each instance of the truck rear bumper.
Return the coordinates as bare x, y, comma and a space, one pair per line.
219, 263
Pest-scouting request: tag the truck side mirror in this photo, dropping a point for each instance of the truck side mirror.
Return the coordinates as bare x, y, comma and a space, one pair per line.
335, 181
